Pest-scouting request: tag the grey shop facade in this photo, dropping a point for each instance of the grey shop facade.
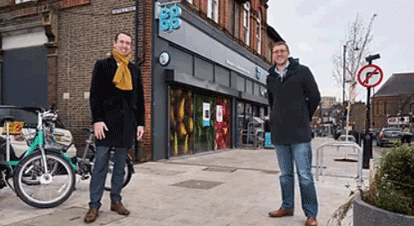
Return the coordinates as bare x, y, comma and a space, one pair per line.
204, 85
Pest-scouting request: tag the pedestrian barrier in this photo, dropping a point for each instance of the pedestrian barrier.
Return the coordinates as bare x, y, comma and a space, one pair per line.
253, 136
339, 144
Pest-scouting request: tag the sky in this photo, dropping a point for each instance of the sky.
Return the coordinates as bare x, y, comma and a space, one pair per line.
316, 30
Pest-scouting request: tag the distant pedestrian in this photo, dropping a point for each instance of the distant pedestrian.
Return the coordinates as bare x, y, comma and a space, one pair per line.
293, 98
266, 124
117, 105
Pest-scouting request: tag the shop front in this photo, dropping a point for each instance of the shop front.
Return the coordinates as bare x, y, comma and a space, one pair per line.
198, 122
202, 82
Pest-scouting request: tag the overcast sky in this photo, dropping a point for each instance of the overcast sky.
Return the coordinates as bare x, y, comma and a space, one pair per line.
315, 30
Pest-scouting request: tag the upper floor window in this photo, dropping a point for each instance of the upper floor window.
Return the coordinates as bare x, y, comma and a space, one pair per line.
259, 34
212, 10
246, 23
22, 1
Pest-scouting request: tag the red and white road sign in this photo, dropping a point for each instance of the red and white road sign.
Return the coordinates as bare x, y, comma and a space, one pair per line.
370, 75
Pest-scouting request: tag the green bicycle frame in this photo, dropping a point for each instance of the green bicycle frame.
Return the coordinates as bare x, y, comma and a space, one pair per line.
38, 141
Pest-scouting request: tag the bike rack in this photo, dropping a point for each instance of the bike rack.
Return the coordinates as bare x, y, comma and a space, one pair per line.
338, 144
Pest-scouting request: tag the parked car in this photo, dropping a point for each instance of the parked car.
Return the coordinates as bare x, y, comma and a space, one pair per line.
28, 115
389, 135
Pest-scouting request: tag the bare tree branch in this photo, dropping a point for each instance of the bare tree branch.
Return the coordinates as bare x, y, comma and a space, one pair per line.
357, 40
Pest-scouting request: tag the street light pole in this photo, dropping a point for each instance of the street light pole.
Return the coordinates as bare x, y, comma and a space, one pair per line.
343, 74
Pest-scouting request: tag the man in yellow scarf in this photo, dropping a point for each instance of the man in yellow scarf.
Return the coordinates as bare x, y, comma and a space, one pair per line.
118, 110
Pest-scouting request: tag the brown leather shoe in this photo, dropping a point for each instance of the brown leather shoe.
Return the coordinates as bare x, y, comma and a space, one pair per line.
281, 213
91, 215
119, 208
311, 221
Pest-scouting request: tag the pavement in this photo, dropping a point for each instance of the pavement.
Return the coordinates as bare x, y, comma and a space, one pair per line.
235, 187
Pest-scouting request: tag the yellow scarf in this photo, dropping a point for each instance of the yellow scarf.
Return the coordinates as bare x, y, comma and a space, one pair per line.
122, 77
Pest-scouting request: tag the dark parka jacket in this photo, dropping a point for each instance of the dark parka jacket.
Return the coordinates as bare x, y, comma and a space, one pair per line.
121, 111
292, 101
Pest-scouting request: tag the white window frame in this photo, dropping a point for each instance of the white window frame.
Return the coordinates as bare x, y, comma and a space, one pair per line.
23, 1
259, 34
246, 23
212, 10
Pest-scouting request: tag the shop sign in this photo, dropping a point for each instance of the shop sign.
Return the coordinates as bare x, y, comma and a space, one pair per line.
123, 10
398, 120
169, 18
258, 73
206, 114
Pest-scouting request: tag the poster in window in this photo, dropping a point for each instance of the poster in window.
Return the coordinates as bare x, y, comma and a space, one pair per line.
219, 113
206, 114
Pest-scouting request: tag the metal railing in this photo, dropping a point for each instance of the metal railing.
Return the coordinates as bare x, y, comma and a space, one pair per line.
253, 136
339, 144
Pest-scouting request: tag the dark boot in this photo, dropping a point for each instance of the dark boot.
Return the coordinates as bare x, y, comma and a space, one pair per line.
119, 208
91, 215
281, 213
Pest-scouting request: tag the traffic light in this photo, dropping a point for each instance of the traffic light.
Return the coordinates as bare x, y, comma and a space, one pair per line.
412, 119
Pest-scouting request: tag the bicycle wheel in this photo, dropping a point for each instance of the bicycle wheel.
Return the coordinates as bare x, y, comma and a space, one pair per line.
129, 169
45, 189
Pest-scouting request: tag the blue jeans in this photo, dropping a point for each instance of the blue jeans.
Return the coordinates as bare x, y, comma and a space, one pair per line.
302, 155
100, 169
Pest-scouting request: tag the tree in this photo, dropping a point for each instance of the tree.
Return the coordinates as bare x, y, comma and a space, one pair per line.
357, 40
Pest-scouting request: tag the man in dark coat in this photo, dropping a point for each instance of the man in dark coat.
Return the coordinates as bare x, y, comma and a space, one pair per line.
117, 105
293, 98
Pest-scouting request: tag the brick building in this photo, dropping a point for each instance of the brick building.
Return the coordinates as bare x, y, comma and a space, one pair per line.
394, 98
48, 48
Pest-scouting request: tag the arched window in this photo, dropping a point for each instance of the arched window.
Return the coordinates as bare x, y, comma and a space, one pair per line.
246, 23
212, 10
259, 33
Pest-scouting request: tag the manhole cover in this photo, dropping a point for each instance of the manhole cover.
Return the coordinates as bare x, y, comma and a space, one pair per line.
198, 184
220, 169
346, 160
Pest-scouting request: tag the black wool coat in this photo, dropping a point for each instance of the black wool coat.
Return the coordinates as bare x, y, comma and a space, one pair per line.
292, 101
121, 111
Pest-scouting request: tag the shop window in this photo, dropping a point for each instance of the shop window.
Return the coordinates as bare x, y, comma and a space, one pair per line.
241, 83
256, 89
222, 76
181, 122
182, 61
222, 123
203, 69
204, 123
249, 86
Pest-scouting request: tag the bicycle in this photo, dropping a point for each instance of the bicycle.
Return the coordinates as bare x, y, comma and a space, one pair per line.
84, 164
86, 161
42, 178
